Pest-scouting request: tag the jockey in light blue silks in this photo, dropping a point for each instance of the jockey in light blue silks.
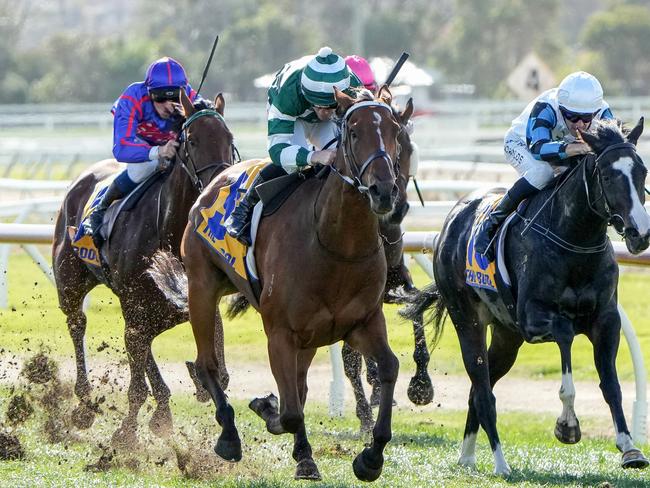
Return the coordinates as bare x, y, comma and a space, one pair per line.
300, 107
544, 136
145, 117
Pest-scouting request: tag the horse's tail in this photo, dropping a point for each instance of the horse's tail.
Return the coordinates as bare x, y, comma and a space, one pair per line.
168, 273
420, 302
238, 305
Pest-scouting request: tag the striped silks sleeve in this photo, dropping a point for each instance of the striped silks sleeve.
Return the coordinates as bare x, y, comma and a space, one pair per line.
281, 129
539, 132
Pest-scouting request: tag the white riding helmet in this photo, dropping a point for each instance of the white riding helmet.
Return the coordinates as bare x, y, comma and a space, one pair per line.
581, 93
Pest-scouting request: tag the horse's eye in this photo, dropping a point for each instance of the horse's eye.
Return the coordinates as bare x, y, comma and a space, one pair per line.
353, 135
191, 142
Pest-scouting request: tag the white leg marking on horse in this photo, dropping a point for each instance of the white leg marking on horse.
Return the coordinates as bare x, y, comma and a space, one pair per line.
468, 451
624, 441
638, 212
568, 395
501, 467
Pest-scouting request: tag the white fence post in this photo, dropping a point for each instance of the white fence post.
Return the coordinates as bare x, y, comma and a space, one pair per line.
337, 386
640, 406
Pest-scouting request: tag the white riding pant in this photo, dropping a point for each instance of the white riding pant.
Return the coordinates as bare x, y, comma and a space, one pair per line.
536, 172
138, 172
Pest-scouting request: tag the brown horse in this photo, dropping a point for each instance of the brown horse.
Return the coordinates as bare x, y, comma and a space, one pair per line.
399, 286
157, 222
322, 271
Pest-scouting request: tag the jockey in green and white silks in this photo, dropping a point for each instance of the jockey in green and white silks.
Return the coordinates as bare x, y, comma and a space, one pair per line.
543, 136
300, 108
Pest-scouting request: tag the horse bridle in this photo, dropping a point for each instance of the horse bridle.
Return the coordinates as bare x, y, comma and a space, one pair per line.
356, 170
187, 162
609, 216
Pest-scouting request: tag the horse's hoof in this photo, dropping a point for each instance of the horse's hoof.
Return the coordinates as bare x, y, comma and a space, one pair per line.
420, 390
567, 434
229, 450
307, 470
161, 423
503, 470
468, 462
82, 417
267, 405
363, 470
125, 438
634, 459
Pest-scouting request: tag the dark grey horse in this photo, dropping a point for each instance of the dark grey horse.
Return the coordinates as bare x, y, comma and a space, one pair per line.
564, 282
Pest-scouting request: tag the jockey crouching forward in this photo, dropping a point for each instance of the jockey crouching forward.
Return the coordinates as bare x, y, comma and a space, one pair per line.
145, 126
300, 108
542, 137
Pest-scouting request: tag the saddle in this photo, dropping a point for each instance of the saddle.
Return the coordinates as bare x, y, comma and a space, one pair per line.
491, 278
240, 259
81, 237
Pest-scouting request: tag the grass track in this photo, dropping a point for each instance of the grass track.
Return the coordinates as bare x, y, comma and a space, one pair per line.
34, 318
422, 453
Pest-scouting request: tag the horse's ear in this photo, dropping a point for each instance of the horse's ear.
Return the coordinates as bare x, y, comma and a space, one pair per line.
343, 102
635, 133
405, 115
590, 139
385, 95
219, 103
188, 108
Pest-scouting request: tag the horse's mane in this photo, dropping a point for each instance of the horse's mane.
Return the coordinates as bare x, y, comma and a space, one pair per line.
608, 132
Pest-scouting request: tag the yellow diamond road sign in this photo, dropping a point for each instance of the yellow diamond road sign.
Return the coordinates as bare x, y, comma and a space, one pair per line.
531, 77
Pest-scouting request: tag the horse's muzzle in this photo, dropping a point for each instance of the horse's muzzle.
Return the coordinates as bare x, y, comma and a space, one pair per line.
382, 197
635, 242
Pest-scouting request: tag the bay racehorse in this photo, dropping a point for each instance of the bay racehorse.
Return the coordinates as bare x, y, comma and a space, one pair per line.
564, 280
157, 222
322, 270
398, 286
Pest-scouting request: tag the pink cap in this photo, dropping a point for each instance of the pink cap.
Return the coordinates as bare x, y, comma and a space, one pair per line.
361, 68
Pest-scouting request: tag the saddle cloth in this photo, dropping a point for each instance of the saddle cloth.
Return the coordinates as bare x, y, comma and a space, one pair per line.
479, 272
211, 227
81, 237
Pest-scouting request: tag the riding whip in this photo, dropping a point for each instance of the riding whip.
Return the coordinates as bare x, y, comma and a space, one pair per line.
417, 189
207, 65
398, 66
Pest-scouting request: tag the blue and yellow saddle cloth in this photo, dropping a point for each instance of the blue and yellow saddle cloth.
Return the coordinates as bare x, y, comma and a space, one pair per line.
478, 271
81, 238
211, 227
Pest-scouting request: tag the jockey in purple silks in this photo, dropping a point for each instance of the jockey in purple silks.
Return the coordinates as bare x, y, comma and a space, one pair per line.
145, 118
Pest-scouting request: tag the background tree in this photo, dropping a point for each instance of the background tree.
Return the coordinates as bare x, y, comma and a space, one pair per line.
621, 36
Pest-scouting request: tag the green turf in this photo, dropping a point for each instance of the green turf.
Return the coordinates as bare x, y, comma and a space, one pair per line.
34, 318
423, 453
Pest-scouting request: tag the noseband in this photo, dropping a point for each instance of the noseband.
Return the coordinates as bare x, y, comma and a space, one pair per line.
355, 169
187, 162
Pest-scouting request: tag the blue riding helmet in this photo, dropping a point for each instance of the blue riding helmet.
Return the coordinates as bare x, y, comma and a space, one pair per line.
165, 75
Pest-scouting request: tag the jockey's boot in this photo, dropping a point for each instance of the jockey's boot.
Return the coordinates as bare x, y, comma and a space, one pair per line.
508, 204
114, 192
239, 223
